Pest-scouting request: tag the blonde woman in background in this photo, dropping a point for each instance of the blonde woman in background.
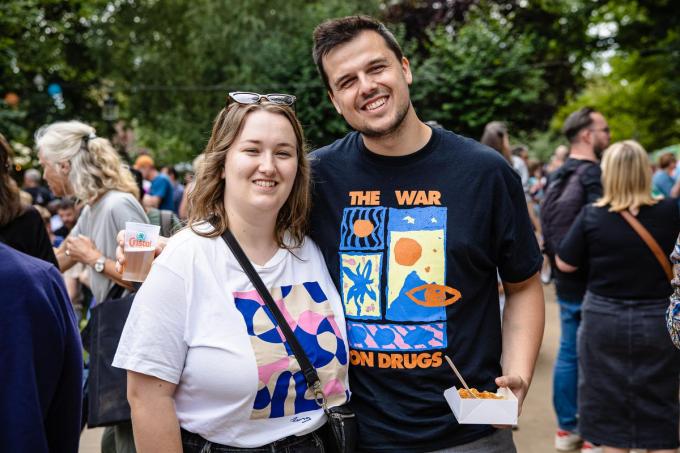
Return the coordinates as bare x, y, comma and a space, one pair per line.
628, 367
77, 162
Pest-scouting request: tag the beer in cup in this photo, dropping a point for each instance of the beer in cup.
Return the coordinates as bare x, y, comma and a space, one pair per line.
140, 243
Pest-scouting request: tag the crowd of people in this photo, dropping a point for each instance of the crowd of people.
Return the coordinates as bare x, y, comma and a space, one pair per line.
386, 252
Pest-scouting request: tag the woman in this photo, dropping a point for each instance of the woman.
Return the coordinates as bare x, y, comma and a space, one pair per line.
21, 226
496, 136
628, 383
77, 162
207, 367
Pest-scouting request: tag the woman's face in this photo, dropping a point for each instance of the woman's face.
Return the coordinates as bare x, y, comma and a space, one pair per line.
261, 165
56, 176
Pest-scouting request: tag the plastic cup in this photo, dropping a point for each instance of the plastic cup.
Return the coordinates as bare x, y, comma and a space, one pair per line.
140, 243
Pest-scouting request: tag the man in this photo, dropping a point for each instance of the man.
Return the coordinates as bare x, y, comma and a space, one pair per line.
178, 187
69, 216
573, 185
664, 178
41, 356
413, 223
160, 193
41, 194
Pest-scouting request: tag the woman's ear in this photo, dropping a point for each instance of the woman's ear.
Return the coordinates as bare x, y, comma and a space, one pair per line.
65, 167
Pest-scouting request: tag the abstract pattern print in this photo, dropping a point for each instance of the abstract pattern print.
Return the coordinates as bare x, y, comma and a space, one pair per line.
282, 390
409, 312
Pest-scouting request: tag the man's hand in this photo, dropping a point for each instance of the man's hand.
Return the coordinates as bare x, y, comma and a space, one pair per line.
120, 249
518, 386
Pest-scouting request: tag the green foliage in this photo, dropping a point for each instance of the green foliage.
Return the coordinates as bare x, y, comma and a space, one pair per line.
169, 64
479, 75
641, 95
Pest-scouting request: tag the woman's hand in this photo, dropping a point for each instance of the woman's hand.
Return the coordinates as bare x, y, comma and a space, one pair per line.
81, 248
120, 250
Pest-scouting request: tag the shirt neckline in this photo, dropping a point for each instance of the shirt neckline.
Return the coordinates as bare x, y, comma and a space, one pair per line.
399, 161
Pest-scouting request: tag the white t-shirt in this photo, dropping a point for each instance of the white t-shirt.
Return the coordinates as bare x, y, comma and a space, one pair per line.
198, 322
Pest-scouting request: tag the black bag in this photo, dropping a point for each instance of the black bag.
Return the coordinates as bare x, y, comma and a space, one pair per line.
564, 198
107, 386
341, 419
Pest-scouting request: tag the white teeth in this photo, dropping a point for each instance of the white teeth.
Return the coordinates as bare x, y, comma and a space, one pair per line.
265, 183
374, 105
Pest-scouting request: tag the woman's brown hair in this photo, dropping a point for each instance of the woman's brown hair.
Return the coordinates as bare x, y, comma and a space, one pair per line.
206, 200
493, 135
10, 201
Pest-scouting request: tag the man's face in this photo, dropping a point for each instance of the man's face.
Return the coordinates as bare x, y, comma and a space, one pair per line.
68, 216
369, 85
599, 133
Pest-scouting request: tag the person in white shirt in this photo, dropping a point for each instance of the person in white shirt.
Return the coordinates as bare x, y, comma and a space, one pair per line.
208, 366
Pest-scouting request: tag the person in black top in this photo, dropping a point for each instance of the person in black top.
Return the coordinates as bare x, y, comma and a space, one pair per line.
41, 194
628, 386
414, 223
21, 227
579, 182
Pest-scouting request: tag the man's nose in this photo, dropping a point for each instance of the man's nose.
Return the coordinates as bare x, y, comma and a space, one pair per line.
367, 85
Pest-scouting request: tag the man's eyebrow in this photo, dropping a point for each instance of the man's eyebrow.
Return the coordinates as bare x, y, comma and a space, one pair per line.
372, 62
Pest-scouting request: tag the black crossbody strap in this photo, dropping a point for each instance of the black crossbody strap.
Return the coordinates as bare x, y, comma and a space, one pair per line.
308, 369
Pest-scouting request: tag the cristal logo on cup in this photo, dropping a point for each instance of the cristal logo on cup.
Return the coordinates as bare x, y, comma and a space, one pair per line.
139, 240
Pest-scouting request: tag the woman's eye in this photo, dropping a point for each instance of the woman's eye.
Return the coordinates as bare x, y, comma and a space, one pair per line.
251, 150
284, 153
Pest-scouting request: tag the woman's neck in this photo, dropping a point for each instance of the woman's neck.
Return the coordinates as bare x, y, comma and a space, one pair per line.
257, 238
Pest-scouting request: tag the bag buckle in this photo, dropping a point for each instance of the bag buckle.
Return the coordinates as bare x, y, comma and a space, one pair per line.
319, 396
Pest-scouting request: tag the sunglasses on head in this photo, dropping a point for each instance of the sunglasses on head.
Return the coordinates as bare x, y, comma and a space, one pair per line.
245, 98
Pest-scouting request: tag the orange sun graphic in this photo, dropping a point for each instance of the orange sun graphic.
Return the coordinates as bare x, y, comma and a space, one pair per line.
407, 251
363, 228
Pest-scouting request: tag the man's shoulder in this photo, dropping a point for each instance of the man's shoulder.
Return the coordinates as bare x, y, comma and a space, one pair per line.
17, 268
335, 150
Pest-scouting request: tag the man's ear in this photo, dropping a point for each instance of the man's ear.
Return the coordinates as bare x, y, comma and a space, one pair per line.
406, 69
335, 104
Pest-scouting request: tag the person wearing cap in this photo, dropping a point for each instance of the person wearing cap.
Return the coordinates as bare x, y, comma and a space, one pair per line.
161, 193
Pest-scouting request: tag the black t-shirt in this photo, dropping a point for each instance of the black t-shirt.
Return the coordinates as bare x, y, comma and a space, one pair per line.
572, 286
620, 264
41, 195
413, 244
27, 233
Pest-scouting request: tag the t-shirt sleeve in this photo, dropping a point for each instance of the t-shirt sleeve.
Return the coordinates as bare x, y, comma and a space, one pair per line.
519, 255
152, 341
159, 187
128, 210
573, 247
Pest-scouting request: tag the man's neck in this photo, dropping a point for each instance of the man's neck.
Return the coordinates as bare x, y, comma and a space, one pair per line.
582, 151
411, 136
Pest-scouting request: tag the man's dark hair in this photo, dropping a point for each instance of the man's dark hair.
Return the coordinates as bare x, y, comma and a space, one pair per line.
66, 203
170, 170
517, 150
576, 122
335, 32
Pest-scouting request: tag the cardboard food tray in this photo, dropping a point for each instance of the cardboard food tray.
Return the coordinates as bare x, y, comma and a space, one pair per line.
483, 411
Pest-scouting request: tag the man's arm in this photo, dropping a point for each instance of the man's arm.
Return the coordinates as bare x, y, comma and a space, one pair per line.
523, 323
151, 201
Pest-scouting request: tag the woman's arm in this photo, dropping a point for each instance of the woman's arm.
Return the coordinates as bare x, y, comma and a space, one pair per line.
564, 267
673, 312
154, 420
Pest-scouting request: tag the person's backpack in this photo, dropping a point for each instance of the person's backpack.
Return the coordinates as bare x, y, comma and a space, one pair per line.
169, 223
564, 198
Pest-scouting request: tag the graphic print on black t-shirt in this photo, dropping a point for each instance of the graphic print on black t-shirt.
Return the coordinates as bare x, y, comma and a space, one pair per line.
408, 245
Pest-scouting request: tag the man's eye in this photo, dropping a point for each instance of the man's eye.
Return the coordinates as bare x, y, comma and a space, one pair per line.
377, 68
347, 83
